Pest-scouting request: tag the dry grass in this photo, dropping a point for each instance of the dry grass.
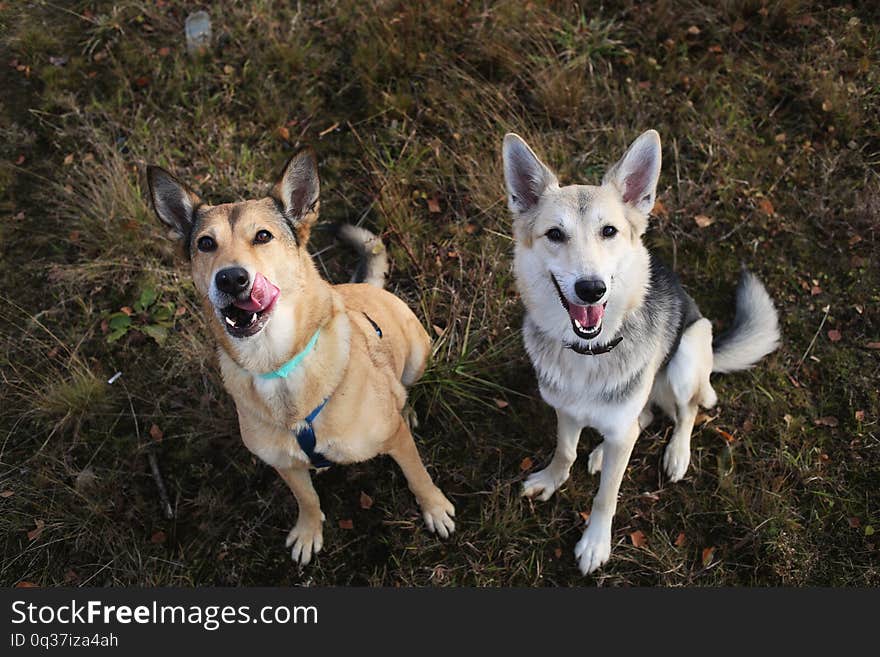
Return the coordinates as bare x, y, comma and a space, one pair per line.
767, 127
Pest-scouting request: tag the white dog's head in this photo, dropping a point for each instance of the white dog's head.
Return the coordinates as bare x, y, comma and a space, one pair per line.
578, 246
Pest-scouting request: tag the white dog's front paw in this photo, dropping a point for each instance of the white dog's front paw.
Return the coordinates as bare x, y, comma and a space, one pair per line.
305, 539
438, 513
594, 464
594, 548
544, 483
675, 461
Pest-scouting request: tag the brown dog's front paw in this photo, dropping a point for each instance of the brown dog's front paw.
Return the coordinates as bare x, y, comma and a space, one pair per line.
305, 539
438, 513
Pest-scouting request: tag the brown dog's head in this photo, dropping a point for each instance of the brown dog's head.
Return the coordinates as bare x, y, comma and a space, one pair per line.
249, 259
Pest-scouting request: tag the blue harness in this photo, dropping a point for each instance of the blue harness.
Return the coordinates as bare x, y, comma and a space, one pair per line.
305, 436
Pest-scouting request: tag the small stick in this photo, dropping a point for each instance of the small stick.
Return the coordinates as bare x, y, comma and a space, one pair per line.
813, 341
160, 484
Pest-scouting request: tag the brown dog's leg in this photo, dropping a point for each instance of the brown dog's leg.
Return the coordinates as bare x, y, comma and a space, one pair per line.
436, 509
306, 538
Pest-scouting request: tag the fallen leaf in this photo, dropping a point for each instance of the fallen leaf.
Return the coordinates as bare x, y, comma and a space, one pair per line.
434, 205
68, 160
873, 345
708, 553
659, 209
680, 540
366, 501
228, 70
728, 437
164, 51
834, 335
500, 403
439, 331
156, 433
346, 524
638, 538
716, 49
738, 26
180, 312
127, 310
70, 576
585, 515
765, 206
284, 133
27, 585
526, 464
860, 417
142, 81
693, 30
815, 290
854, 522
34, 534
827, 421
19, 160
557, 553
703, 221
7, 493
158, 537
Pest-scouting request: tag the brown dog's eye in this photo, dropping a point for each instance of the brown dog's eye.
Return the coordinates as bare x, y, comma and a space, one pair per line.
206, 244
262, 237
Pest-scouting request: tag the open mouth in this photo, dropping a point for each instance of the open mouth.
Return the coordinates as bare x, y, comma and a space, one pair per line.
586, 321
244, 318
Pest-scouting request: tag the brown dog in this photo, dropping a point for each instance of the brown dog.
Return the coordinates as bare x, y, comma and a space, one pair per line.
318, 372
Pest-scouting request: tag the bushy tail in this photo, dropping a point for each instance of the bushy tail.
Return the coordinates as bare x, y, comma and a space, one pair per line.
373, 265
755, 330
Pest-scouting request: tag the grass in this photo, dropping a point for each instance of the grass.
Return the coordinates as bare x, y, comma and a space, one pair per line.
768, 114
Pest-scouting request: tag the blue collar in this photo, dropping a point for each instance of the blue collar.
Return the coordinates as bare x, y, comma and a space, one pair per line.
283, 371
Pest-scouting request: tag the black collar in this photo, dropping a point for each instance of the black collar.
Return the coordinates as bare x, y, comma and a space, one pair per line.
594, 351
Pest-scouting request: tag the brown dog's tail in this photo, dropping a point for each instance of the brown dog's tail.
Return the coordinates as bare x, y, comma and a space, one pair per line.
373, 266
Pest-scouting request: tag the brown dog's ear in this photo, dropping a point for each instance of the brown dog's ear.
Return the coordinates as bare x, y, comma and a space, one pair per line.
297, 192
174, 202
635, 175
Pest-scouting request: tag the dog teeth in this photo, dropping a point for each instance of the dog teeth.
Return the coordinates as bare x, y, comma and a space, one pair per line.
230, 321
578, 324
253, 318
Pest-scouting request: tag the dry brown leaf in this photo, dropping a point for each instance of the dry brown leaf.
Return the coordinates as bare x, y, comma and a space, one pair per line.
693, 30
680, 540
815, 290
158, 537
7, 493
708, 553
164, 51
346, 524
34, 534
366, 501
156, 433
860, 417
27, 585
703, 221
659, 209
766, 206
585, 515
500, 403
127, 310
638, 538
854, 522
439, 331
738, 26
873, 345
827, 421
434, 205
834, 335
557, 553
728, 437
284, 133
526, 464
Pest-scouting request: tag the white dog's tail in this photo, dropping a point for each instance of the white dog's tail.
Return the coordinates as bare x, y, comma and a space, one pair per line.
373, 266
755, 330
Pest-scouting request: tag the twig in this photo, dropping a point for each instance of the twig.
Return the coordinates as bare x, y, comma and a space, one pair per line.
813, 341
160, 484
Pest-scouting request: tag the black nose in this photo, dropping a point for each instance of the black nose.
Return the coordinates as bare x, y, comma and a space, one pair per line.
589, 291
232, 280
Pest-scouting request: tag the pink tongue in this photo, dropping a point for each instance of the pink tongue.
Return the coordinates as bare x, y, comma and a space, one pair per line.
588, 316
263, 293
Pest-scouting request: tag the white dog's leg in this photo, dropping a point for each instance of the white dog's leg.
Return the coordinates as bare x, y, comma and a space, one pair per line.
545, 482
594, 548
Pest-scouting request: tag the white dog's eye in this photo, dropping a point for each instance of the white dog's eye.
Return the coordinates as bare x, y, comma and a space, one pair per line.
555, 235
609, 231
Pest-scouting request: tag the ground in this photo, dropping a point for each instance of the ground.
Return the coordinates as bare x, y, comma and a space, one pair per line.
768, 115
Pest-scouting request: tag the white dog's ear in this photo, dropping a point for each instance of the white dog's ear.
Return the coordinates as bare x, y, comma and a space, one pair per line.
525, 175
297, 191
174, 202
635, 175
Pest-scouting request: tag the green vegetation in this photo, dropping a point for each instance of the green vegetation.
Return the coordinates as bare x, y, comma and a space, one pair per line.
768, 114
